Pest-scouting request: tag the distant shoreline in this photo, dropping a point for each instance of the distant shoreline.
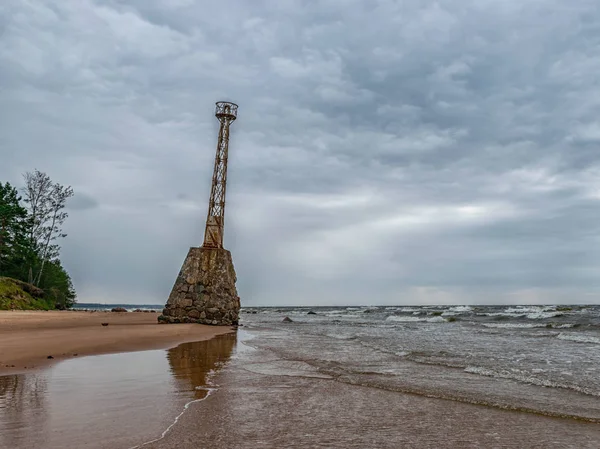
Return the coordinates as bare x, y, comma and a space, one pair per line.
103, 306
29, 338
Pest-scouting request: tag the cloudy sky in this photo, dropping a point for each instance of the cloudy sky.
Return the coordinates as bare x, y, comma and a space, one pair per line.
385, 152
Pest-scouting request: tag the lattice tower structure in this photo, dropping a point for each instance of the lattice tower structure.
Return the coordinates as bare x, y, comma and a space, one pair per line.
226, 112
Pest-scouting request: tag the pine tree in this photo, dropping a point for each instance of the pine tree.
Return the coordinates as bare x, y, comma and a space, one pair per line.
13, 231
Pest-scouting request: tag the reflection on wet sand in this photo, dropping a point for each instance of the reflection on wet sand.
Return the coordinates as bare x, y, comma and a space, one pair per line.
117, 400
192, 363
22, 402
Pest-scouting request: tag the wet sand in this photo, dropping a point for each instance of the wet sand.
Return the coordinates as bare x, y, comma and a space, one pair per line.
108, 401
267, 412
29, 337
266, 402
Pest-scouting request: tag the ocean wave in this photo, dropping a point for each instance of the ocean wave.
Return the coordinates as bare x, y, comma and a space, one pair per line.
532, 309
409, 309
514, 325
526, 313
580, 338
341, 337
526, 377
529, 325
404, 319
338, 314
414, 319
543, 315
460, 309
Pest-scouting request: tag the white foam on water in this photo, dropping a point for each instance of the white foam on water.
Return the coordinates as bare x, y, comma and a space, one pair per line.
210, 388
578, 338
404, 319
513, 374
529, 312
414, 319
131, 309
528, 309
526, 377
209, 391
532, 313
460, 309
543, 315
408, 309
514, 325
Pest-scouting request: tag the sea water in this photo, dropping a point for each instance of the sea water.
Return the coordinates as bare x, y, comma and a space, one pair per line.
542, 359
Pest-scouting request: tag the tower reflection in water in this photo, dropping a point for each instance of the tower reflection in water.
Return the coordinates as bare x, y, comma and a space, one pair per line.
193, 364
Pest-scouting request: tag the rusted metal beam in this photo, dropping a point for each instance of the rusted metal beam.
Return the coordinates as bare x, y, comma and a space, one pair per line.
226, 113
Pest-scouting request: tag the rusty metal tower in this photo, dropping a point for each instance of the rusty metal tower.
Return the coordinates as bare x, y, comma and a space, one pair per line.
226, 112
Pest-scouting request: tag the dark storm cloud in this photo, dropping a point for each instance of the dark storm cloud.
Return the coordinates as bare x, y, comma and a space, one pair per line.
385, 151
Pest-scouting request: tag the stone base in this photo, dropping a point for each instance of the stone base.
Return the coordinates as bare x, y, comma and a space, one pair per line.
204, 291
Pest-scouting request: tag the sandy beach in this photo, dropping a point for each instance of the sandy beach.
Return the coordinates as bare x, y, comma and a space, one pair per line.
30, 337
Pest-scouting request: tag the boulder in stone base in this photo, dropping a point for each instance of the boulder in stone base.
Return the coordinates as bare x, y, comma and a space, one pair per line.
204, 291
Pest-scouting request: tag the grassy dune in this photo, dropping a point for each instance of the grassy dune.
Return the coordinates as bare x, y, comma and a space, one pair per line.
18, 295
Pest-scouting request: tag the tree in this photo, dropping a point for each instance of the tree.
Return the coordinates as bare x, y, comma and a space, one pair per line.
57, 285
28, 248
46, 202
13, 230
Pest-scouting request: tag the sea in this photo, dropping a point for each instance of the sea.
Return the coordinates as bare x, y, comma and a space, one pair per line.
107, 307
539, 359
525, 376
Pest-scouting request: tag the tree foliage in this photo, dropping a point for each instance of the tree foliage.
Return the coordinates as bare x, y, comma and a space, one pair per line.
29, 234
13, 229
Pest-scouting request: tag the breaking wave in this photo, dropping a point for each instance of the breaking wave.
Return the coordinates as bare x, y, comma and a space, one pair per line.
580, 338
415, 319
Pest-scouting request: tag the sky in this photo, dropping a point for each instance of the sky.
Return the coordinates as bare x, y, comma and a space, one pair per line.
385, 152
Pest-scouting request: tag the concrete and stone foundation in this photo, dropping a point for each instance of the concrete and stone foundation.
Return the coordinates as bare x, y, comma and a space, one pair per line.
204, 291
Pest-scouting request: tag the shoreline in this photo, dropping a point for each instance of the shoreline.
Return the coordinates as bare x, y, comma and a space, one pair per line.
288, 403
29, 338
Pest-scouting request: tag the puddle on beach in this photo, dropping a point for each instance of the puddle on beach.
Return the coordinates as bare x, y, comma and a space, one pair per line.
115, 400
